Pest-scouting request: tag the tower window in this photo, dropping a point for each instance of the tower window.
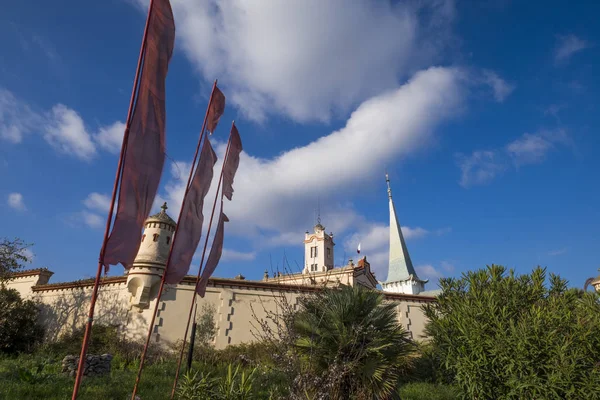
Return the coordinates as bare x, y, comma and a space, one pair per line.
155, 237
313, 251
328, 252
143, 237
168, 239
313, 267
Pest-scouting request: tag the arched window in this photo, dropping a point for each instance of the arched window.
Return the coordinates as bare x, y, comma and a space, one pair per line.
168, 239
155, 237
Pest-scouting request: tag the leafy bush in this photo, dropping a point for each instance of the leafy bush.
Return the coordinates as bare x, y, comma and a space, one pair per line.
237, 384
426, 366
104, 339
13, 254
510, 337
350, 338
19, 329
427, 391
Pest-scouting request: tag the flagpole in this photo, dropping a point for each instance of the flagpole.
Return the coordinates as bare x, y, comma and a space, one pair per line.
201, 263
88, 327
164, 275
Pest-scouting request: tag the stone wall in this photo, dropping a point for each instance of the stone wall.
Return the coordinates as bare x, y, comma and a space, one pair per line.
237, 304
93, 366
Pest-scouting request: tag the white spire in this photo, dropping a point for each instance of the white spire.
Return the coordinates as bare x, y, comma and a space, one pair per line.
402, 277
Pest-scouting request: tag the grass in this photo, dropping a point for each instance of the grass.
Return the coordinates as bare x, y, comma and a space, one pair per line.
427, 391
29, 377
34, 377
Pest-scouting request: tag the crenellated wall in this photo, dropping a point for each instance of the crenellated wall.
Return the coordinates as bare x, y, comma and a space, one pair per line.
237, 303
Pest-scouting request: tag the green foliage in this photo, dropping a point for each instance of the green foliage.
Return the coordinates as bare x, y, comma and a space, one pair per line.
351, 339
196, 386
237, 384
19, 330
427, 391
206, 328
50, 384
104, 339
504, 336
12, 257
426, 366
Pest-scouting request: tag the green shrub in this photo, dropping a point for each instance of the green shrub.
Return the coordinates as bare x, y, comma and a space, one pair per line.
236, 384
19, 329
104, 339
511, 337
352, 342
426, 366
427, 391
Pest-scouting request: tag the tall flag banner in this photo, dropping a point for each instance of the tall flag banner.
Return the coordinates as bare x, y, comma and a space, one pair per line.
215, 254
232, 162
216, 108
358, 249
191, 219
145, 147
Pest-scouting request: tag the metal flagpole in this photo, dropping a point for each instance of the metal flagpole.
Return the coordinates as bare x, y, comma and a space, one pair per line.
192, 340
162, 281
88, 327
200, 268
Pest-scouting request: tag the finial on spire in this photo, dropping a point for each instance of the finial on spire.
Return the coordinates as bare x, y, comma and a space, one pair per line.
318, 211
389, 189
164, 207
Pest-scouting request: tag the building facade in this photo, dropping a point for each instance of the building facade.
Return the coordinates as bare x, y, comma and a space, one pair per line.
128, 301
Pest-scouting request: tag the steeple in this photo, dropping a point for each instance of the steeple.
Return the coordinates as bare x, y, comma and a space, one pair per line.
402, 277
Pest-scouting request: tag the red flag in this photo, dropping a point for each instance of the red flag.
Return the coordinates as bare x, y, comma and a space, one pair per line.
189, 230
215, 254
145, 151
215, 110
232, 162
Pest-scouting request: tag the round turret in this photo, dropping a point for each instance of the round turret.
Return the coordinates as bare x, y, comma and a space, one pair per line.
149, 264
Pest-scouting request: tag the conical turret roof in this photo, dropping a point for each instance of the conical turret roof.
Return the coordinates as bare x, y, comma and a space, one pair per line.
400, 265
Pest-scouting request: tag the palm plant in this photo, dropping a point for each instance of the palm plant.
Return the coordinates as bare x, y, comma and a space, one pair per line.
352, 342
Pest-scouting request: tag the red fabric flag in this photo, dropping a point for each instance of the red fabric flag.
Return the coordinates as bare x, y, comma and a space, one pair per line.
215, 110
215, 254
232, 162
189, 230
145, 156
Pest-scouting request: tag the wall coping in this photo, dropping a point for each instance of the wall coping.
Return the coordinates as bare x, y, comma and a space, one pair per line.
215, 282
31, 272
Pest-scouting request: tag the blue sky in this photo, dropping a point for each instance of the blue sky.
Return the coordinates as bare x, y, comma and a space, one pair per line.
485, 115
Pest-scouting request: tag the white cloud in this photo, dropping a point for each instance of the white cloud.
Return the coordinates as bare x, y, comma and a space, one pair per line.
567, 46
97, 202
447, 266
15, 200
62, 127
274, 198
479, 168
92, 220
482, 166
533, 148
558, 252
309, 59
428, 271
500, 87
66, 132
110, 138
233, 255
28, 254
374, 239
16, 118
